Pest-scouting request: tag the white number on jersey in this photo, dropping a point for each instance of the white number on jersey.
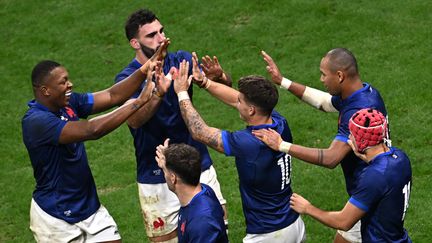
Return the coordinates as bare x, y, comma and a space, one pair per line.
285, 164
406, 191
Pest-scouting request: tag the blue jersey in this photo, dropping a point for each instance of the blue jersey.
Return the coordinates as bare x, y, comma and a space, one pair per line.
202, 219
167, 122
65, 188
264, 177
367, 97
383, 193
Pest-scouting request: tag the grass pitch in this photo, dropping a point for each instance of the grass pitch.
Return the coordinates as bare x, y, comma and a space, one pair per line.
391, 40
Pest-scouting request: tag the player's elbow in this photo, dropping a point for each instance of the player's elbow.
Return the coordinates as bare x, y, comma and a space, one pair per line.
345, 225
331, 164
95, 132
133, 124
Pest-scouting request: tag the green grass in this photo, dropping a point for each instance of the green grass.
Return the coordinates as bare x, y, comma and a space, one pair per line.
391, 40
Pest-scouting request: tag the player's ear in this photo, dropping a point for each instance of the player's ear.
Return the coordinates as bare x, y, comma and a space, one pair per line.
252, 110
44, 90
135, 43
341, 76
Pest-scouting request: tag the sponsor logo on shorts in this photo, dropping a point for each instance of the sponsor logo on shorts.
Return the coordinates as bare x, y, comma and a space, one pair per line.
158, 223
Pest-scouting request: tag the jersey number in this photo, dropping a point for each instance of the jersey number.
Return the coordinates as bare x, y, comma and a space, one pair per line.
285, 164
406, 191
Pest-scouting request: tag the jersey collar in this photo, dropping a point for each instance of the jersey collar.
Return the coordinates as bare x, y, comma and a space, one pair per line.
257, 127
365, 87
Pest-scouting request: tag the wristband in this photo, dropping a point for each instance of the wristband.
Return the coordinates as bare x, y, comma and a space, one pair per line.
208, 83
284, 147
286, 83
183, 95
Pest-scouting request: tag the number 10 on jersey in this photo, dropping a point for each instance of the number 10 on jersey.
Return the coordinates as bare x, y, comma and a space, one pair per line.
285, 165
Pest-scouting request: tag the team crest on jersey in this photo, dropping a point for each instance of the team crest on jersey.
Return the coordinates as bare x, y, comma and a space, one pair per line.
182, 227
70, 112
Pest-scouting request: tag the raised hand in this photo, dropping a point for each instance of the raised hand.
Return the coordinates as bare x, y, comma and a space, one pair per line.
163, 82
160, 153
182, 81
198, 76
299, 203
211, 68
147, 92
270, 137
161, 51
272, 68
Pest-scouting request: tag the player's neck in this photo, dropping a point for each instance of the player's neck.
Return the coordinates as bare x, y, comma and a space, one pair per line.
45, 102
352, 86
185, 193
140, 57
260, 120
374, 151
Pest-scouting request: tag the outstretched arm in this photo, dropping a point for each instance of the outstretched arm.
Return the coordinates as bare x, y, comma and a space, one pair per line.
199, 130
316, 98
329, 157
77, 131
147, 111
343, 220
122, 91
222, 92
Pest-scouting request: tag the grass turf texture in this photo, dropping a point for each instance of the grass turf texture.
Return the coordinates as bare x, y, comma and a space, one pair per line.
391, 40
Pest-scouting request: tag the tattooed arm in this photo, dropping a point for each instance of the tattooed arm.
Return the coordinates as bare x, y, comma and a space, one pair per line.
197, 127
199, 130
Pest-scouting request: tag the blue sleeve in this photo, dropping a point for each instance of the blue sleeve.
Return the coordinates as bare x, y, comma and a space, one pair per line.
238, 144
336, 102
204, 229
343, 128
44, 128
82, 104
370, 190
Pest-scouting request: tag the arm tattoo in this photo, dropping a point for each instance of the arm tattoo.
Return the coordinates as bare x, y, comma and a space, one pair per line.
198, 128
320, 156
135, 106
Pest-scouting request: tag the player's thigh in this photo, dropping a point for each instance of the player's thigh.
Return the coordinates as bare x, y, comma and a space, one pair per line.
293, 233
159, 207
353, 235
209, 177
100, 227
47, 228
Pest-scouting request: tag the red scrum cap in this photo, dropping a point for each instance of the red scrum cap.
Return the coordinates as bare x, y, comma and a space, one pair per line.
368, 127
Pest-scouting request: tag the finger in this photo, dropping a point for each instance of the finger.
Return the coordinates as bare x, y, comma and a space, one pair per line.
190, 79
215, 60
205, 61
204, 68
166, 142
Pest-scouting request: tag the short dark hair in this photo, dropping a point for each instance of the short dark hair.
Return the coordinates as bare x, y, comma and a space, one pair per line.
185, 161
260, 92
41, 71
344, 60
136, 20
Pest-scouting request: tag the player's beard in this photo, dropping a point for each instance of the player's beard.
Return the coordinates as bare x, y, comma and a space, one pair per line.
148, 52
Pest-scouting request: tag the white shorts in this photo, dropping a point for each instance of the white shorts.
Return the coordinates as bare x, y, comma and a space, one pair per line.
98, 227
353, 235
293, 233
160, 206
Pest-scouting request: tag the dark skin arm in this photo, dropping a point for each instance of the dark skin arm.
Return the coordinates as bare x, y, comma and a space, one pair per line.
77, 131
146, 112
122, 91
344, 219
